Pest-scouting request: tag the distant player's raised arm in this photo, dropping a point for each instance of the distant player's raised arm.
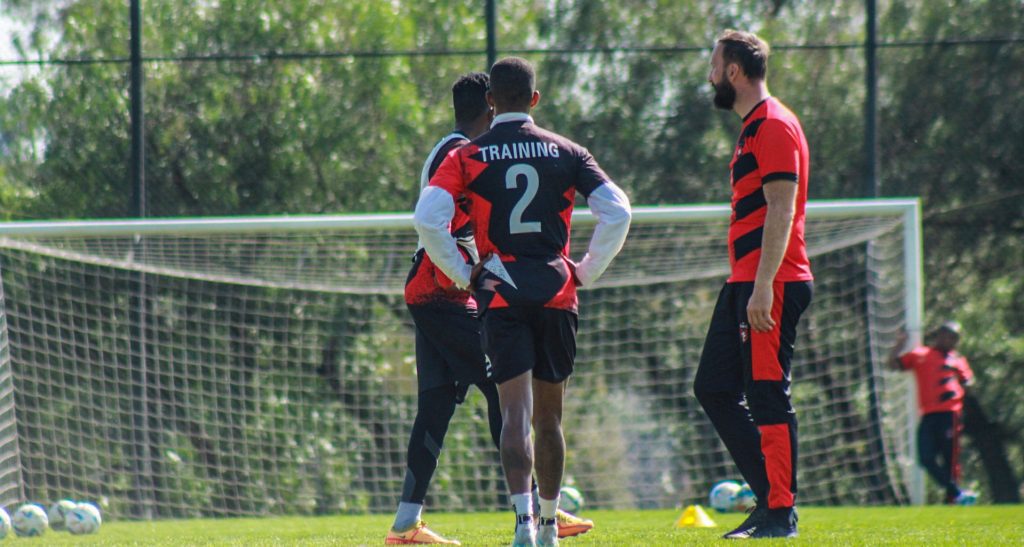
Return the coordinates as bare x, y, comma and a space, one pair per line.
897, 357
433, 216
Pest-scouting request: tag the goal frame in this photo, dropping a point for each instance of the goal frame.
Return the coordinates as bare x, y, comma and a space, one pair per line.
907, 208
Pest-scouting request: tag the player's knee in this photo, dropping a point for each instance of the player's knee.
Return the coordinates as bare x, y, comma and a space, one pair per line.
516, 421
769, 402
710, 399
547, 425
704, 390
438, 403
699, 392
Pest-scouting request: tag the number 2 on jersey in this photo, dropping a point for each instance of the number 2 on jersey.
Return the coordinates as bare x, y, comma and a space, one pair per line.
515, 220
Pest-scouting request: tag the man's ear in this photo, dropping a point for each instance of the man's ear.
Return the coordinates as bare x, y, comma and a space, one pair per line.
535, 99
490, 98
732, 72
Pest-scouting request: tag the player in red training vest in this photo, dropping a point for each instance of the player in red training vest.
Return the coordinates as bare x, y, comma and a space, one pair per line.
941, 374
743, 378
521, 181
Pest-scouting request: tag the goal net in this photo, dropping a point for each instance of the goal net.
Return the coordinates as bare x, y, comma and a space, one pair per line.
219, 367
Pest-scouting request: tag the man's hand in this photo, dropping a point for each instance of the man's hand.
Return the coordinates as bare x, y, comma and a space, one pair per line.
572, 272
477, 269
759, 309
897, 349
901, 340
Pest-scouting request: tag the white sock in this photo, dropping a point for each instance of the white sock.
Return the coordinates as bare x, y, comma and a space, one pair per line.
407, 516
548, 508
522, 503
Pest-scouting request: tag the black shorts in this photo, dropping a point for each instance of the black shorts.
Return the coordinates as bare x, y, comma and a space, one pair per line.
448, 348
530, 338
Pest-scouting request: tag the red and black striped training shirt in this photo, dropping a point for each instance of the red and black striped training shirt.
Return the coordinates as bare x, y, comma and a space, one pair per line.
771, 147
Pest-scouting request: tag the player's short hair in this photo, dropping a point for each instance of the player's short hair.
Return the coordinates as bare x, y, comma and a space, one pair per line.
512, 83
952, 327
746, 50
469, 96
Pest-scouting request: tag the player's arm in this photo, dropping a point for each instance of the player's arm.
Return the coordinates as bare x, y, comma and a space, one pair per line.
966, 374
896, 353
779, 158
611, 208
780, 195
433, 217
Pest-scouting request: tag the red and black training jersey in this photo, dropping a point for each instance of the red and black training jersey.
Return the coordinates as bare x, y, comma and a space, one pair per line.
426, 285
940, 378
771, 147
521, 181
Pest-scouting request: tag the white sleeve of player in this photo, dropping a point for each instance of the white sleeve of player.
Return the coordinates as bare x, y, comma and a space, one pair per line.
433, 216
611, 207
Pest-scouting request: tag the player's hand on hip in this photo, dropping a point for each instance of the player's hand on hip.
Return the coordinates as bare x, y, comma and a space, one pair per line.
572, 272
759, 309
478, 268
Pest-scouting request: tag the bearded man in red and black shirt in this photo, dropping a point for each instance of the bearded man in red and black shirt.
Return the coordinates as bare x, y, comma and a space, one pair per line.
743, 380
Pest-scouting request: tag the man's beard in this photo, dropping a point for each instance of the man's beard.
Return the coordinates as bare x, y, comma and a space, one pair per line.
725, 95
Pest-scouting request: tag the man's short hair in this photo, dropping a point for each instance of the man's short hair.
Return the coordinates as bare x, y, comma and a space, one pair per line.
746, 50
469, 96
952, 327
512, 83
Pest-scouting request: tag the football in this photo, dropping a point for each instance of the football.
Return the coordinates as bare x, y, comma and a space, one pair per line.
5, 523
745, 499
58, 512
570, 500
84, 519
29, 520
723, 496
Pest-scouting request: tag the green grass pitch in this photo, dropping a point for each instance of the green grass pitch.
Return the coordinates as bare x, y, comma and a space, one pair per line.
926, 526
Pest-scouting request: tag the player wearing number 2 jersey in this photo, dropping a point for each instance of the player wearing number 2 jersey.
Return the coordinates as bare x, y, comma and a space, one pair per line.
521, 181
449, 357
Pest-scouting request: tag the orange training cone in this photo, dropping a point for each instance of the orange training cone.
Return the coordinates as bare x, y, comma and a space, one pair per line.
695, 517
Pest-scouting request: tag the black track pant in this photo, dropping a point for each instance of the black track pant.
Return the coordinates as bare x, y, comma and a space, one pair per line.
938, 449
433, 414
743, 384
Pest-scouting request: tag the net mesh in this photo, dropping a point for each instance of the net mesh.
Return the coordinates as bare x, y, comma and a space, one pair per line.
182, 375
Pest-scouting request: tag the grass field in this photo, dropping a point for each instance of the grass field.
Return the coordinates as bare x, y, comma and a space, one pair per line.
926, 526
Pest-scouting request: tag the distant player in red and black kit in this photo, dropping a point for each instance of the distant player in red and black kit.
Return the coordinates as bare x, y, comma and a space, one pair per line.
942, 375
521, 181
747, 352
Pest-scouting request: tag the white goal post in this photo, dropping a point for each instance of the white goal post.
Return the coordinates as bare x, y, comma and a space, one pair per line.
174, 368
